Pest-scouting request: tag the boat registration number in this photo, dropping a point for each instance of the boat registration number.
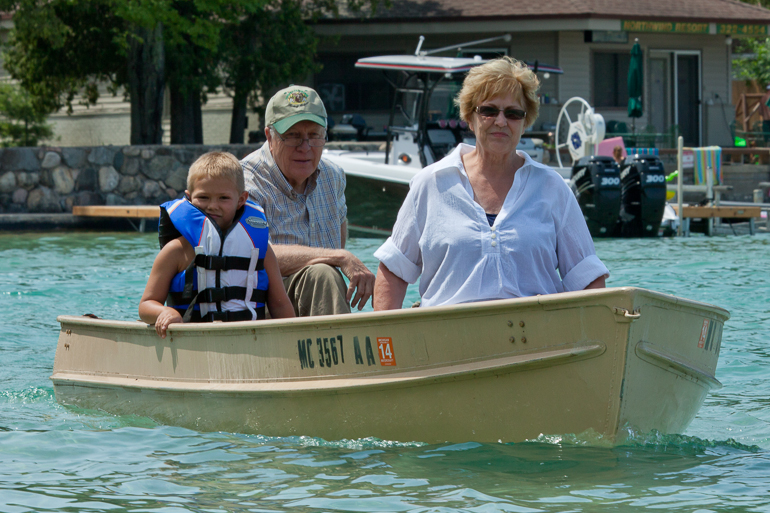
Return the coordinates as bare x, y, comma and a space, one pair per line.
330, 351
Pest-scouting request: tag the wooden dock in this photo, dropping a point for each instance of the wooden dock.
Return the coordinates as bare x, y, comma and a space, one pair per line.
140, 213
714, 214
135, 211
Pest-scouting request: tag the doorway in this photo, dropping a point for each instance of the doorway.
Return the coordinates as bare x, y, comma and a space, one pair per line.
675, 85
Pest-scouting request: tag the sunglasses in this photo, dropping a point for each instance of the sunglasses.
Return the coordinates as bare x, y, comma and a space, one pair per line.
490, 111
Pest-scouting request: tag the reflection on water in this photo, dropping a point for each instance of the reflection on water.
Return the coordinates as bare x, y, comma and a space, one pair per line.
59, 459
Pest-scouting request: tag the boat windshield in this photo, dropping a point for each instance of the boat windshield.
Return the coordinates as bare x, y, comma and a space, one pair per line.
440, 105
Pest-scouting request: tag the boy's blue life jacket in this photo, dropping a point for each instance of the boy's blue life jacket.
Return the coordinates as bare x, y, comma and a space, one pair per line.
229, 265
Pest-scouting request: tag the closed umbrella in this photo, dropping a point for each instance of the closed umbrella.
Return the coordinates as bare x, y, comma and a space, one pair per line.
635, 83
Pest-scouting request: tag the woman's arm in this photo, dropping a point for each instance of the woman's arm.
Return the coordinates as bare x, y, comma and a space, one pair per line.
389, 290
598, 283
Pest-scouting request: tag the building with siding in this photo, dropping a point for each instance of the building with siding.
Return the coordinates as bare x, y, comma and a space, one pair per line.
686, 47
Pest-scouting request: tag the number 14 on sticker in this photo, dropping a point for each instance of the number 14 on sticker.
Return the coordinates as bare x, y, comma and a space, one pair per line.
385, 346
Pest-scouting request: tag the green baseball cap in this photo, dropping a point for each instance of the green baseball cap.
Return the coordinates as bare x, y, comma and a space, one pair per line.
292, 105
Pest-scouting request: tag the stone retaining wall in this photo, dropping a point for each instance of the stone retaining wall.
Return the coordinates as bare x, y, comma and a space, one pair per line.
53, 180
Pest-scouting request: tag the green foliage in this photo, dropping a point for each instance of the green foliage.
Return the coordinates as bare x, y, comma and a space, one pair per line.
60, 51
268, 47
21, 122
63, 51
756, 66
761, 3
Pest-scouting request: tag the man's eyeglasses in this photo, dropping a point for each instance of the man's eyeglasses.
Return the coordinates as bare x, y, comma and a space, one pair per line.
316, 141
490, 111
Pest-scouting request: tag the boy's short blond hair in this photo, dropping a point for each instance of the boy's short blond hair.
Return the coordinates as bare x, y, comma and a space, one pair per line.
216, 164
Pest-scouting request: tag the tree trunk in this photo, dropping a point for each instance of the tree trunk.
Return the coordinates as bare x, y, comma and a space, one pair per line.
238, 121
146, 68
186, 119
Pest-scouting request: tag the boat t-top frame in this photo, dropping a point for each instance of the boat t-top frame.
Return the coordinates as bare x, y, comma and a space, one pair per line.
429, 71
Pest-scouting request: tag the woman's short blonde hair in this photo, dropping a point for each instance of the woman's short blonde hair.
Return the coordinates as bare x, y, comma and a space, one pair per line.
499, 77
216, 164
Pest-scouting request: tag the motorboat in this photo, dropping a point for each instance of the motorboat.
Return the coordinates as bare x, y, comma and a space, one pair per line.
596, 361
423, 127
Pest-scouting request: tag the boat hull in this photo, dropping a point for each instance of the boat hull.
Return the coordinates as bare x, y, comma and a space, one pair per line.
506, 370
373, 205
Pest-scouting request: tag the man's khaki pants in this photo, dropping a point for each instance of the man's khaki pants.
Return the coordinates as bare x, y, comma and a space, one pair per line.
317, 289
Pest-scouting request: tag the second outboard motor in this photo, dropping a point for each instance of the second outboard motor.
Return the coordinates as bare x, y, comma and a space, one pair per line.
596, 183
643, 188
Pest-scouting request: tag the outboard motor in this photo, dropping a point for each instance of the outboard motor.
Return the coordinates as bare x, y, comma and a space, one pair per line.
596, 184
643, 189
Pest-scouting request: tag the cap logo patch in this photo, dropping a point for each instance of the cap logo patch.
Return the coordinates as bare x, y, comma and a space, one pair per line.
256, 222
297, 98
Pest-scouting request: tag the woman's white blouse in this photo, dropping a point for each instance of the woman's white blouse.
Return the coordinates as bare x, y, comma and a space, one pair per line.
539, 243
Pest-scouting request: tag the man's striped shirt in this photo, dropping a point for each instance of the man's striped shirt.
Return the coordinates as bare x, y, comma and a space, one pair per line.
311, 219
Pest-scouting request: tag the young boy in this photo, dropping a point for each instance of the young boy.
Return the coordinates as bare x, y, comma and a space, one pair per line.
215, 263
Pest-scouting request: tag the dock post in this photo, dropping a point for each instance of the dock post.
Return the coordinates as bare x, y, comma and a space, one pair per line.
680, 211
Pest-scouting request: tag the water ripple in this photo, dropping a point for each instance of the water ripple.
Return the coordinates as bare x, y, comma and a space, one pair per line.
61, 459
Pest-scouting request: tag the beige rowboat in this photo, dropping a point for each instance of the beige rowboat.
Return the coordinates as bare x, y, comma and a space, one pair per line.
504, 370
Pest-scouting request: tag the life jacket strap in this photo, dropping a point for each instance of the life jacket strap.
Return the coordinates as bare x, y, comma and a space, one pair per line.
226, 263
242, 315
214, 295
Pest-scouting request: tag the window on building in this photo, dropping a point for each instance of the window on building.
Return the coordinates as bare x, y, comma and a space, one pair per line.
611, 79
345, 88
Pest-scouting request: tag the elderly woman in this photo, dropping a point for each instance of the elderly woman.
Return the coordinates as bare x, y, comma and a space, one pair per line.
487, 222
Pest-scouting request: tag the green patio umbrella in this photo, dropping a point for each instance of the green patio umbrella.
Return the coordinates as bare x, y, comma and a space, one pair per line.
635, 83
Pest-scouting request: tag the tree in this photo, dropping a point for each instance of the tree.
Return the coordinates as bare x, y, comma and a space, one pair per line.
271, 45
761, 3
22, 123
756, 66
266, 48
145, 68
59, 54
63, 50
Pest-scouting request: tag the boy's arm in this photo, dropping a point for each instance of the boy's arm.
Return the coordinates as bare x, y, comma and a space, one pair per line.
169, 261
278, 302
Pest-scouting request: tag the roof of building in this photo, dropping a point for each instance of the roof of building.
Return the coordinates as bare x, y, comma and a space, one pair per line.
719, 11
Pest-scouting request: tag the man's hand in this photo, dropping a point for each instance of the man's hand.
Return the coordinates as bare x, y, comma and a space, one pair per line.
361, 280
292, 258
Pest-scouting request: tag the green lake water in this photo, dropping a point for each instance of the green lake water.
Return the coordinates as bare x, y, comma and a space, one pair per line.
54, 458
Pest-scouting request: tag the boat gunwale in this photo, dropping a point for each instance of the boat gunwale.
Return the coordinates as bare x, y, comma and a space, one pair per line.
549, 301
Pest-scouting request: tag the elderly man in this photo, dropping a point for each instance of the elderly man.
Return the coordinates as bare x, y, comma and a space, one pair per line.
304, 201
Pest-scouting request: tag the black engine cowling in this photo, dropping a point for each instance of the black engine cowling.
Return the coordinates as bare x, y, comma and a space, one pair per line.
643, 193
596, 184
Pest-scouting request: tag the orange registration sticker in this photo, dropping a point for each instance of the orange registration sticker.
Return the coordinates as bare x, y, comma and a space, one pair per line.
385, 347
704, 331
